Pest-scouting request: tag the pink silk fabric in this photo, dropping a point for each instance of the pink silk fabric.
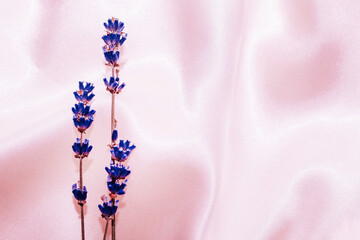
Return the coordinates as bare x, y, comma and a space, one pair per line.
245, 115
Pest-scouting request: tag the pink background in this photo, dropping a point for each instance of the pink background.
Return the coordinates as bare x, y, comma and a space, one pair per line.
246, 117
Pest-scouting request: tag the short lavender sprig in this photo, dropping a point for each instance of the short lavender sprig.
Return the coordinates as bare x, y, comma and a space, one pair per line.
117, 173
83, 118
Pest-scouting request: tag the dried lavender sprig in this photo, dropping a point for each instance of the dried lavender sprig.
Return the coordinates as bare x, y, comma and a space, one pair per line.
114, 38
83, 118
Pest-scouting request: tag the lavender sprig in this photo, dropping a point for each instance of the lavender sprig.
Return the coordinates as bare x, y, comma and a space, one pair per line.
83, 118
117, 173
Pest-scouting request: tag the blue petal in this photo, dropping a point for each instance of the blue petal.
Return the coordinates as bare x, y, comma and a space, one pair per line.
114, 135
116, 24
81, 86
111, 25
91, 87
126, 145
90, 97
122, 40
112, 80
106, 40
89, 149
75, 122
121, 86
81, 121
77, 96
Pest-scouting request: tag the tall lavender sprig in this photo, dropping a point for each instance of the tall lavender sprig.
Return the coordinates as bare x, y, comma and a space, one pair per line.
117, 173
83, 118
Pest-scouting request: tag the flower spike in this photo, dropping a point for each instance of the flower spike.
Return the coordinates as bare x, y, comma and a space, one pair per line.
117, 173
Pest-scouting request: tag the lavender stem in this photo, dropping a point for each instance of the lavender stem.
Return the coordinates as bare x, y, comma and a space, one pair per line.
81, 187
106, 228
82, 223
112, 129
113, 227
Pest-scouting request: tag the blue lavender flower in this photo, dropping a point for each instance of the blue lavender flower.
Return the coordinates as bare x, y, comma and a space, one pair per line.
87, 88
115, 187
112, 57
81, 150
83, 96
113, 85
117, 171
82, 110
82, 123
121, 153
78, 194
126, 145
114, 26
114, 136
108, 209
112, 40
